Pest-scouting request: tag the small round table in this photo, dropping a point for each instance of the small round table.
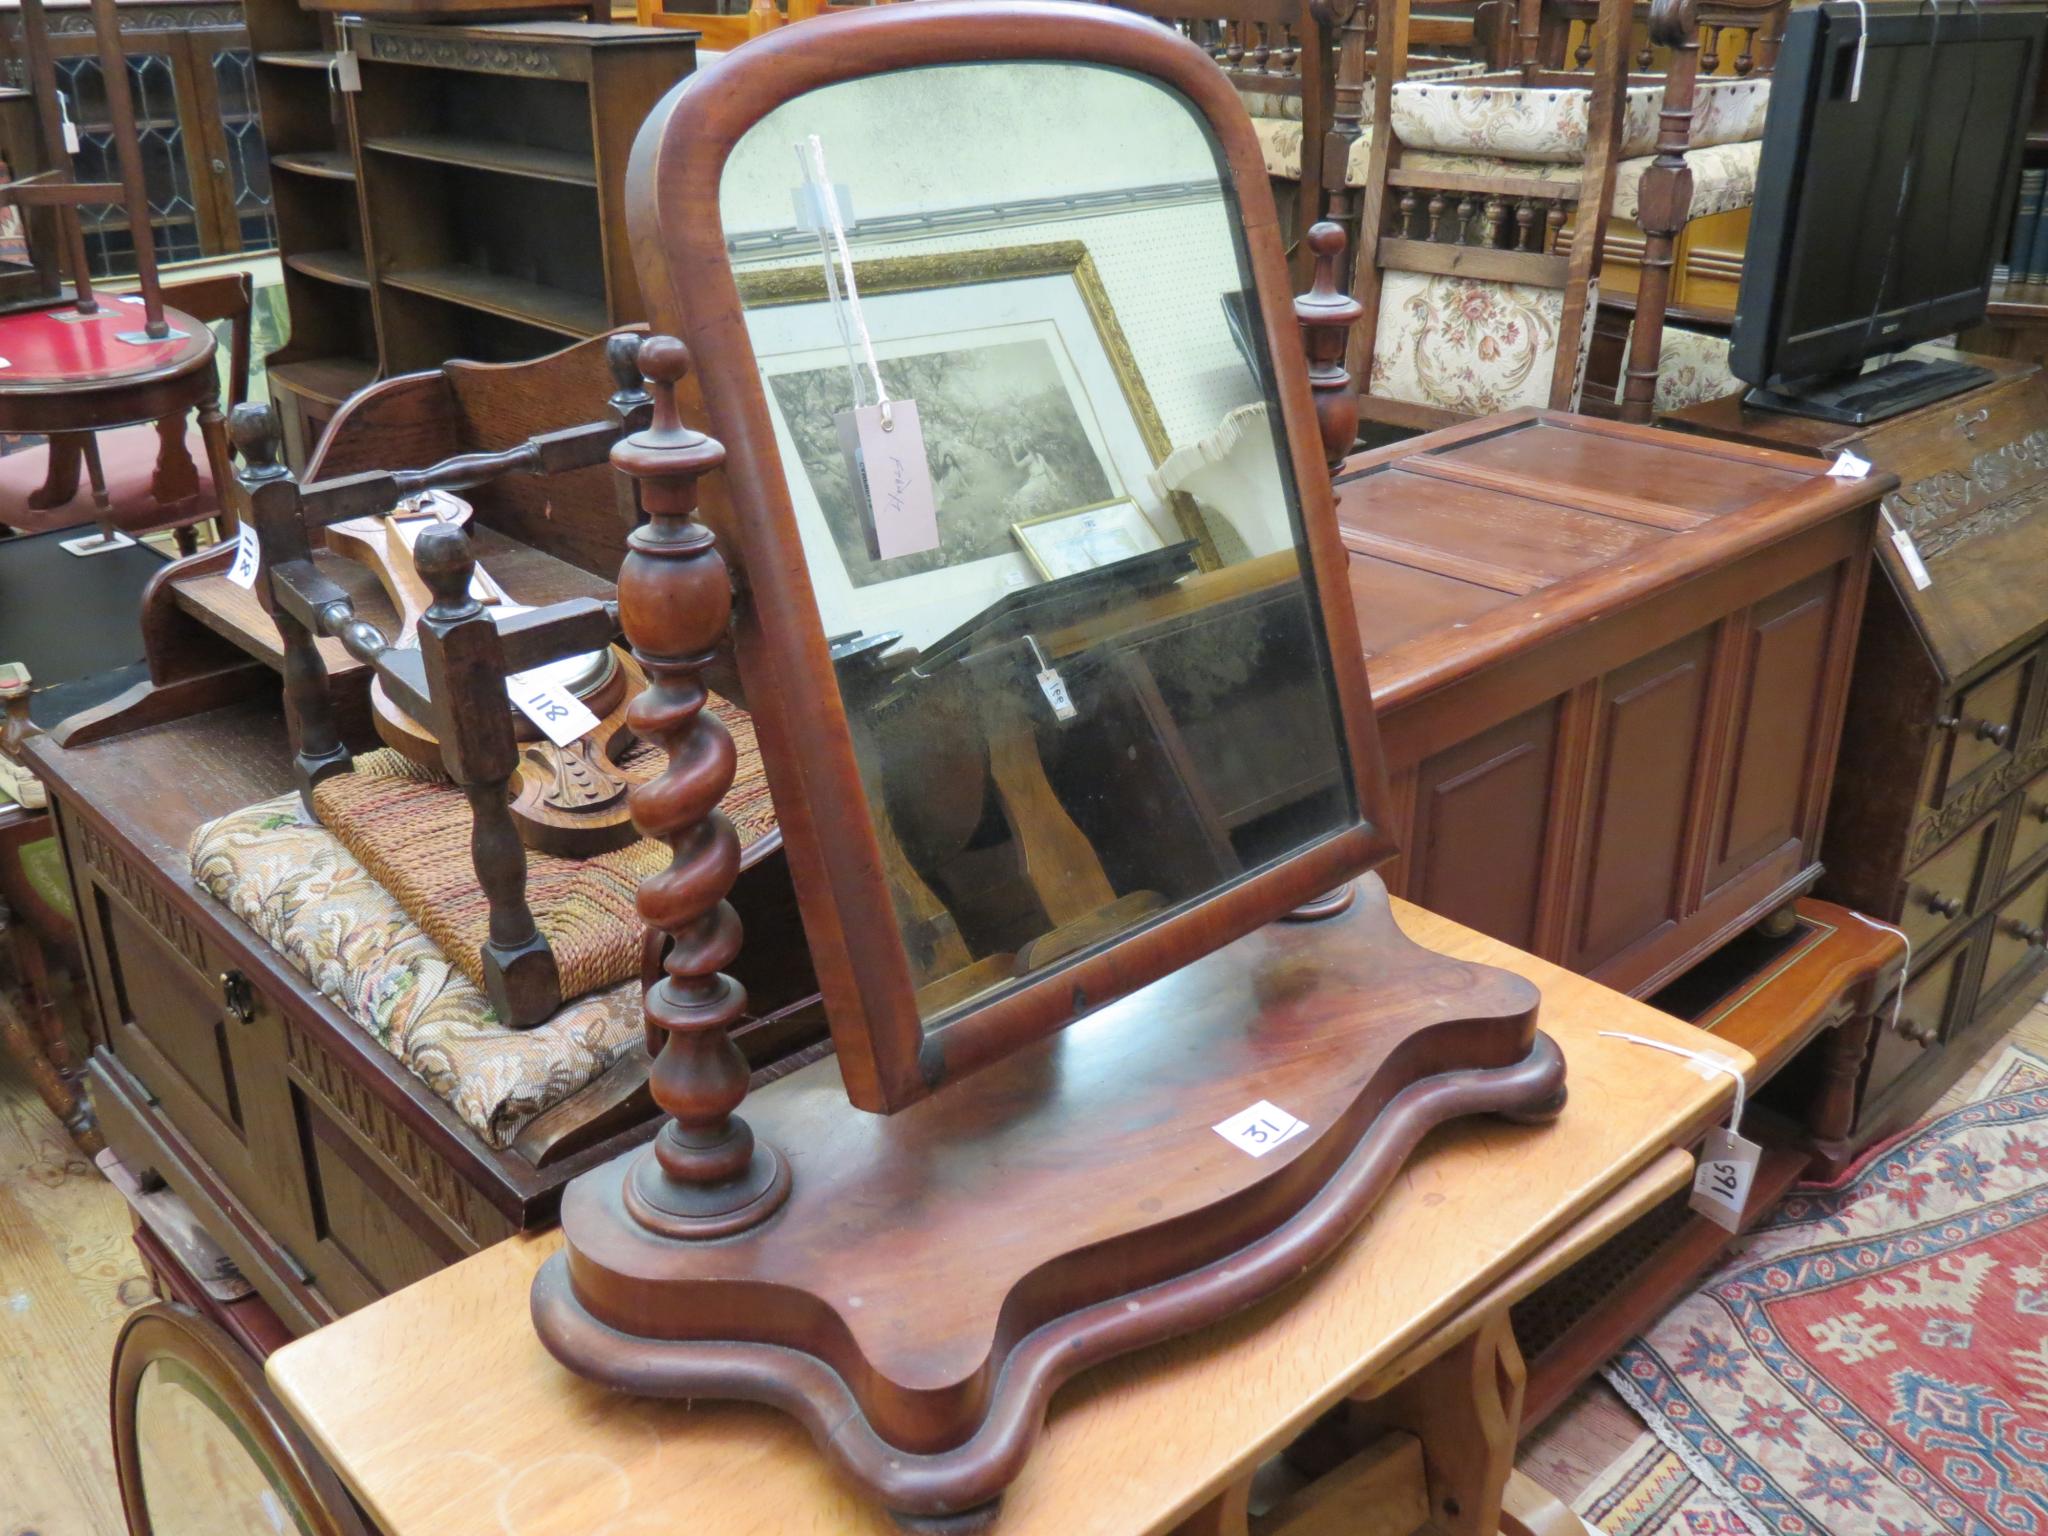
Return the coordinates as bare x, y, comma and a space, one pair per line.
66, 372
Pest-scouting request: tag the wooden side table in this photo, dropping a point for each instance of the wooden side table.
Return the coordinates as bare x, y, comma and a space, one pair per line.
70, 373
443, 1415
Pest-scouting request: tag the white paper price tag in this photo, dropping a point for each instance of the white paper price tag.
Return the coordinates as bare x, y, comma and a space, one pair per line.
1848, 467
1916, 568
248, 558
348, 71
562, 717
1054, 688
1720, 1189
1260, 1129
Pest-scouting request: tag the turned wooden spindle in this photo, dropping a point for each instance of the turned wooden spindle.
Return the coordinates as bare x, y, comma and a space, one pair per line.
1326, 314
1525, 224
1663, 203
705, 1176
271, 504
464, 661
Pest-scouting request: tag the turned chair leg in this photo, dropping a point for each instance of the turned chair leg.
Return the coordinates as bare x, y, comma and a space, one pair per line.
102, 503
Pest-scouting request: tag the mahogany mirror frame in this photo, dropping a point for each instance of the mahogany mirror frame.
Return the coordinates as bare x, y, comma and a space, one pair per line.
889, 1057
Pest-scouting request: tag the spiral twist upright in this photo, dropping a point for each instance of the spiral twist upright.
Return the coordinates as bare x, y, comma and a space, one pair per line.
705, 1175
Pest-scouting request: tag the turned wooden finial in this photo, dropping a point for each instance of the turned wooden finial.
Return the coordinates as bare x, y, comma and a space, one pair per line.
252, 427
1326, 314
705, 1176
622, 357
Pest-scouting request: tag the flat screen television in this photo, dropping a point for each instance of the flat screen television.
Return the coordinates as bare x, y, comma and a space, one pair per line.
1884, 197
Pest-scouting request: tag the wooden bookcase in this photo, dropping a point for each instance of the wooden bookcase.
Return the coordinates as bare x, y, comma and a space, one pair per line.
333, 347
493, 162
467, 202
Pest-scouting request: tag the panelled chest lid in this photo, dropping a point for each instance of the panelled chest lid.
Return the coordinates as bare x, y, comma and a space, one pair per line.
1973, 472
1480, 541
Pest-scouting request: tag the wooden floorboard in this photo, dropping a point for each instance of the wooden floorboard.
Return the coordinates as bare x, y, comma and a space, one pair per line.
68, 1275
1595, 1427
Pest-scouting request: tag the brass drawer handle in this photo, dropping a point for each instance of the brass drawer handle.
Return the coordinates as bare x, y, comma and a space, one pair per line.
1983, 730
2035, 937
1970, 424
1943, 906
238, 997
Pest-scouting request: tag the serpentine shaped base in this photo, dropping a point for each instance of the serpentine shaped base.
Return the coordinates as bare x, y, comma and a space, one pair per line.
934, 1275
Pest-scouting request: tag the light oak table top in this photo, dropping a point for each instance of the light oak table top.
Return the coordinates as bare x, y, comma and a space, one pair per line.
443, 1414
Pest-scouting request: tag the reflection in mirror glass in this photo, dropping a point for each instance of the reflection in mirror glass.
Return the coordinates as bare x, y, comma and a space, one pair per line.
1007, 341
199, 1476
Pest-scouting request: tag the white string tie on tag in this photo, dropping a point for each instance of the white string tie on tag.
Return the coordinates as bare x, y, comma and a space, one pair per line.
841, 288
1705, 1058
1862, 46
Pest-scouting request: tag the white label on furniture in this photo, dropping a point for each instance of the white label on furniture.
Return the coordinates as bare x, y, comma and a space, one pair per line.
248, 558
1848, 467
1720, 1189
562, 717
1054, 688
1260, 1129
1916, 568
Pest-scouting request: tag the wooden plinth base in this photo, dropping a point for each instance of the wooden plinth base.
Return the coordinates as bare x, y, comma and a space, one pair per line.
936, 1274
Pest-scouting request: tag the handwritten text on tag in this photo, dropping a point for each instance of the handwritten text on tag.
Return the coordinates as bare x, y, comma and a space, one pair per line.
1055, 689
248, 558
888, 452
1720, 1189
562, 717
1260, 1129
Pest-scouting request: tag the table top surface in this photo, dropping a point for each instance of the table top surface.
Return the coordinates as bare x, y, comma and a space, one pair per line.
67, 616
442, 1412
60, 347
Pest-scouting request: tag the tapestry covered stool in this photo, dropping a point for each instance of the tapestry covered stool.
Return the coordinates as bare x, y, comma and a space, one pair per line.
309, 899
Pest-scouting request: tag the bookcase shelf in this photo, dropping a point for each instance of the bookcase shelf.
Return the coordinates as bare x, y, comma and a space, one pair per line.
491, 165
344, 267
329, 380
549, 309
506, 159
333, 164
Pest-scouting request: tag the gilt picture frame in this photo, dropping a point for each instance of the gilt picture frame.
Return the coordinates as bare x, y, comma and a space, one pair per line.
1031, 401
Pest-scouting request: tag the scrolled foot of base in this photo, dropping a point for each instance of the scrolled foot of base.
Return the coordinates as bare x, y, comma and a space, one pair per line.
1542, 1112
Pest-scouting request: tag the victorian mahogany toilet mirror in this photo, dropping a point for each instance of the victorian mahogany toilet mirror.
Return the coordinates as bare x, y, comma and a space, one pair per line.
1099, 728
1037, 598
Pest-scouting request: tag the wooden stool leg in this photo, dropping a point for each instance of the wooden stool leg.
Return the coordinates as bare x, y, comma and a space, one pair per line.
1466, 1409
213, 432
1533, 1510
64, 1100
60, 480
1832, 1116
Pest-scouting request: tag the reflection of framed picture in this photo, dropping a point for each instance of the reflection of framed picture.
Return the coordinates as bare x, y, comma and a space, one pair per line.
1030, 402
1066, 543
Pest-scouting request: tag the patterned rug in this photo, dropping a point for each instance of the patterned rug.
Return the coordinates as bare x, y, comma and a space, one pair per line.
1872, 1361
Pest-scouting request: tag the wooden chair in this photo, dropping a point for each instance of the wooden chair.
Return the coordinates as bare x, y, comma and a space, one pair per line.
1674, 193
452, 682
157, 476
1469, 305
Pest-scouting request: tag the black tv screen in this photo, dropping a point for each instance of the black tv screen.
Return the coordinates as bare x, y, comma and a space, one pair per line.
1877, 221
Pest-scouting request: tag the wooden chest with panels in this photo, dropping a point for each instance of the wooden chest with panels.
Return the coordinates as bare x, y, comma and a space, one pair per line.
1609, 666
1940, 815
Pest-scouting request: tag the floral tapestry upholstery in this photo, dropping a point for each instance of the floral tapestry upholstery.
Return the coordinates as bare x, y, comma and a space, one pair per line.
1691, 366
1723, 179
13, 230
1541, 123
1276, 119
1464, 345
302, 892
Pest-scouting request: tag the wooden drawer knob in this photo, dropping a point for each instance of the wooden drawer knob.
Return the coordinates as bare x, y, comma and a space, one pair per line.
2039, 811
1984, 730
1922, 1035
2037, 937
1943, 906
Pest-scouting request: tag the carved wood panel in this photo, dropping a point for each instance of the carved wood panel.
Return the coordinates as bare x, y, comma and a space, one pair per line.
1767, 793
1476, 850
1646, 752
